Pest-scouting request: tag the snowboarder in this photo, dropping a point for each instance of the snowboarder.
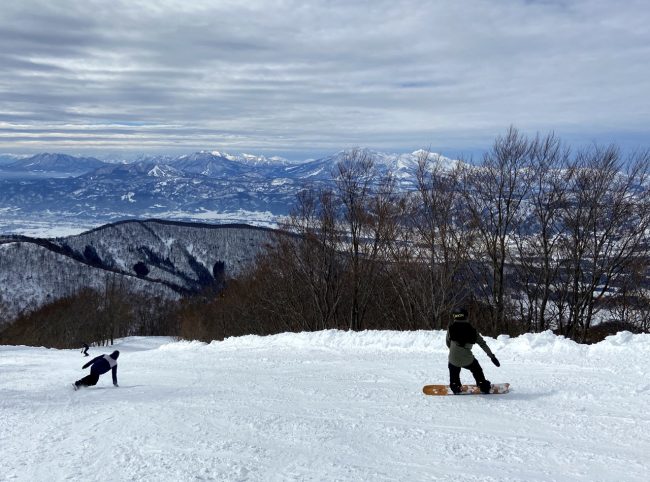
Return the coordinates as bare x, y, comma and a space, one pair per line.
99, 366
461, 336
84, 350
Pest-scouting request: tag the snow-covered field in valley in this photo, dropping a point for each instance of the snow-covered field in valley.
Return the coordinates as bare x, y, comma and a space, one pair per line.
327, 406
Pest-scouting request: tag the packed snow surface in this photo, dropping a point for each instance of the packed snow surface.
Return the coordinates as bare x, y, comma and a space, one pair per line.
327, 406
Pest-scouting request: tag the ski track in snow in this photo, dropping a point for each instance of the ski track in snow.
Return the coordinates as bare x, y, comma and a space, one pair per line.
327, 406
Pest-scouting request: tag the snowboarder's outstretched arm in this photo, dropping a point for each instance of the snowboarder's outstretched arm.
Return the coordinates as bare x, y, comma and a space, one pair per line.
92, 361
481, 342
114, 370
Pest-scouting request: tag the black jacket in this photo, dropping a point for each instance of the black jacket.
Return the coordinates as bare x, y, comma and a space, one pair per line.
104, 363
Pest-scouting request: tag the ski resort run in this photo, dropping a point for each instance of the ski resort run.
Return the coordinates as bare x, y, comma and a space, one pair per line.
328, 405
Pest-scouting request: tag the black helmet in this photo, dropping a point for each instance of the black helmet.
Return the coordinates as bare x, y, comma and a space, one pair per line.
115, 354
459, 314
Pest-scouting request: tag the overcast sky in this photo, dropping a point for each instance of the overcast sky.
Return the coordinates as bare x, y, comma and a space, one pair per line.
307, 77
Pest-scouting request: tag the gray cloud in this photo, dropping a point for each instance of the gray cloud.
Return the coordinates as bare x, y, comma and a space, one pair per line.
320, 75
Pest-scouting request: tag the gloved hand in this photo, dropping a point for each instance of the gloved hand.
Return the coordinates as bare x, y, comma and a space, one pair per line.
495, 361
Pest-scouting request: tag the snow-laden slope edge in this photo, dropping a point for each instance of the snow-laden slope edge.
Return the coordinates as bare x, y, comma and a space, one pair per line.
545, 343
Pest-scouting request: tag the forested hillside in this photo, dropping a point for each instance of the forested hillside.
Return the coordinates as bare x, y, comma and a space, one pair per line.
152, 258
187, 256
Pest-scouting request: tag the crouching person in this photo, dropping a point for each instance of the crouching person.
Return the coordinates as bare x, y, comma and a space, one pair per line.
461, 336
99, 366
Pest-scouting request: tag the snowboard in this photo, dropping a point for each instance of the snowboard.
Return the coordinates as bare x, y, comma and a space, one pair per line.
465, 389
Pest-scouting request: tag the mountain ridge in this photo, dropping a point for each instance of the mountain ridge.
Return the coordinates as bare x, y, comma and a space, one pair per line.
159, 257
53, 162
202, 186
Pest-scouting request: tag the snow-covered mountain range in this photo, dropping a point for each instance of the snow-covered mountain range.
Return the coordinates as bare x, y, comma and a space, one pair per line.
46, 162
205, 185
9, 159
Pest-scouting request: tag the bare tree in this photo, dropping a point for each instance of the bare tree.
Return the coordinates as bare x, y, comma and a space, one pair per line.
311, 260
631, 306
404, 298
606, 220
537, 239
363, 209
114, 309
493, 196
442, 239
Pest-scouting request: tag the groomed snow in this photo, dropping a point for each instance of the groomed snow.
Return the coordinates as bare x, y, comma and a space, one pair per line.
327, 406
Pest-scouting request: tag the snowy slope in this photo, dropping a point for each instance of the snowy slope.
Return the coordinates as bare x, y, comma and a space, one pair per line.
327, 406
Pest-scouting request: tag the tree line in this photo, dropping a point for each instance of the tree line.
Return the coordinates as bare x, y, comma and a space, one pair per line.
532, 236
93, 316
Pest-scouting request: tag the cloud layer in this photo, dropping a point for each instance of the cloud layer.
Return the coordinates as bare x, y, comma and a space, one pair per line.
285, 75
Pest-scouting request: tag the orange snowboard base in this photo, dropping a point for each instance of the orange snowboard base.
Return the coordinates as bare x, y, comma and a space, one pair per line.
465, 389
